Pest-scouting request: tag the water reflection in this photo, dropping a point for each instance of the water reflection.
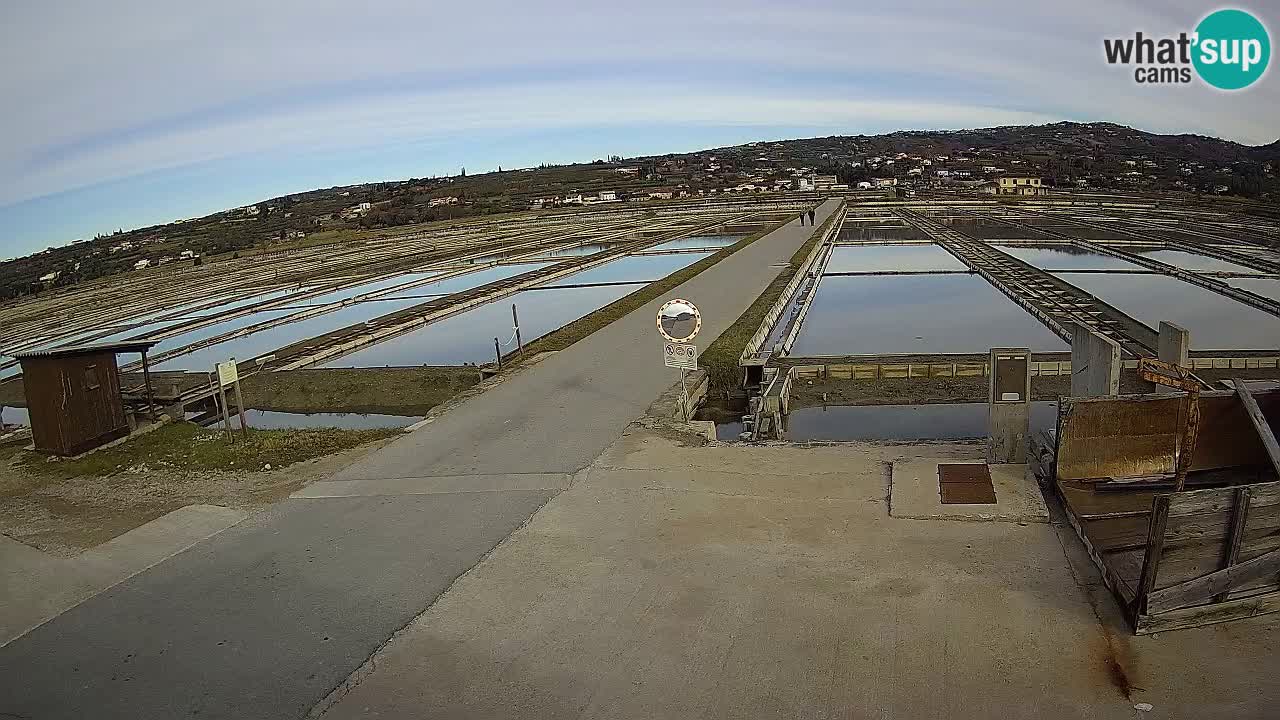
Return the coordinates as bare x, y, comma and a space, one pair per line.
903, 422
468, 337
1216, 322
698, 241
1065, 257
854, 231
265, 341
635, 268
1265, 288
879, 258
1192, 261
14, 416
916, 314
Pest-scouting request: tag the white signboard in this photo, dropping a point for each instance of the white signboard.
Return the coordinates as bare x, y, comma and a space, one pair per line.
227, 373
680, 355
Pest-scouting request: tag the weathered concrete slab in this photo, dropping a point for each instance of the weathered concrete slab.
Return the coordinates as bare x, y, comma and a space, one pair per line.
39, 586
435, 485
265, 619
914, 494
778, 586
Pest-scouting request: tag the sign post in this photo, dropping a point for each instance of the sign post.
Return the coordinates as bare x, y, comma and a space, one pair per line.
679, 322
228, 375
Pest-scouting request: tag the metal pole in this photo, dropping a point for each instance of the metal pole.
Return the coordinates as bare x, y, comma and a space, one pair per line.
515, 319
146, 378
684, 397
497, 350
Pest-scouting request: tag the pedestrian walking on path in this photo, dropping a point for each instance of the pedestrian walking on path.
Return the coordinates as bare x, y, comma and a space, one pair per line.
810, 219
802, 218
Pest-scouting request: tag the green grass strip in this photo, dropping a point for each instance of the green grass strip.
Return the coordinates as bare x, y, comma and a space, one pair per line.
721, 358
588, 324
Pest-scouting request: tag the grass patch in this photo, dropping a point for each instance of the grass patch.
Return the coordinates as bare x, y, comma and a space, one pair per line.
588, 324
186, 446
391, 391
720, 359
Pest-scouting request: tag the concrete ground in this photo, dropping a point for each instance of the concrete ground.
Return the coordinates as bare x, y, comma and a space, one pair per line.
265, 619
730, 581
39, 586
915, 494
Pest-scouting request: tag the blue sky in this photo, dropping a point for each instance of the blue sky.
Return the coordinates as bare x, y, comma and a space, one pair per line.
136, 112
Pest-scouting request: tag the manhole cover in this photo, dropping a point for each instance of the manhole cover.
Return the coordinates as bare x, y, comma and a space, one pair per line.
965, 484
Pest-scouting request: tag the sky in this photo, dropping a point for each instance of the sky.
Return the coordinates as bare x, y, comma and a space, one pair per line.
136, 112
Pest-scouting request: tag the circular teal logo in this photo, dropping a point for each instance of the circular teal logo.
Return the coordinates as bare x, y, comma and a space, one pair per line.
1232, 49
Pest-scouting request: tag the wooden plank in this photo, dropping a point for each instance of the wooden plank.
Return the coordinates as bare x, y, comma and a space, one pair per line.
1196, 502
1151, 561
1200, 589
1208, 614
1235, 536
1259, 423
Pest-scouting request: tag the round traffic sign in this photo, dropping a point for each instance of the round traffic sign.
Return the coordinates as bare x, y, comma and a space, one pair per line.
679, 320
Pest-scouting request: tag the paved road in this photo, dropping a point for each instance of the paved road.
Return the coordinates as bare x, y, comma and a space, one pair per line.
263, 620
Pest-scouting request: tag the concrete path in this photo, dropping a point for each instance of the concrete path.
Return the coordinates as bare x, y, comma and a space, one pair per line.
39, 586
772, 582
265, 619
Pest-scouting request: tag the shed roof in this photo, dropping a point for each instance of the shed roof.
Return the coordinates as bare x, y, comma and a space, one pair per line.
130, 346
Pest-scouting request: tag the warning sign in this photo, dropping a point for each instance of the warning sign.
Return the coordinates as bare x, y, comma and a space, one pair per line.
680, 355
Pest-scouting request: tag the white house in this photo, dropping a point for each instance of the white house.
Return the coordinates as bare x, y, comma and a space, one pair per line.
142, 265
864, 185
608, 196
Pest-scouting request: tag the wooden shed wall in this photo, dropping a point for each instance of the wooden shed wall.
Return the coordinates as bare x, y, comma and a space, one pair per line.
74, 402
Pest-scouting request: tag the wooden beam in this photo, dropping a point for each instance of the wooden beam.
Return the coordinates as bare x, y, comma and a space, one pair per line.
1208, 614
1235, 533
1151, 560
1259, 422
1201, 588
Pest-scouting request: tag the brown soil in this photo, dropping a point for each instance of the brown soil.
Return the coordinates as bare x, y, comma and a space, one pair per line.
918, 391
64, 507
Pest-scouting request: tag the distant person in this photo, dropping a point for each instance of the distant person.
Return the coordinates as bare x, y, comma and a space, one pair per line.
810, 218
802, 218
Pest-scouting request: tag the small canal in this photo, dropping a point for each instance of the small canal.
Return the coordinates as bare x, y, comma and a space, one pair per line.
847, 423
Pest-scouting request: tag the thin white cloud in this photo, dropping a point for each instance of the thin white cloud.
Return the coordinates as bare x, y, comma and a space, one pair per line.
106, 91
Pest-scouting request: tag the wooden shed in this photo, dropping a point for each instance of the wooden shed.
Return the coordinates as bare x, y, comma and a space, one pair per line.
74, 397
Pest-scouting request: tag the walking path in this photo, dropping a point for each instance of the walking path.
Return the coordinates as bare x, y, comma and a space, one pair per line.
265, 619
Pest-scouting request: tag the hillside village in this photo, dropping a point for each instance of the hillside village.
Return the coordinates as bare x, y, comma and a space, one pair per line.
1058, 158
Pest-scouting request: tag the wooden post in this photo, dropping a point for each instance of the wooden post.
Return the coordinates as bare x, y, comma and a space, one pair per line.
516, 320
497, 350
1235, 532
1260, 423
146, 378
226, 409
244, 426
1190, 435
1151, 560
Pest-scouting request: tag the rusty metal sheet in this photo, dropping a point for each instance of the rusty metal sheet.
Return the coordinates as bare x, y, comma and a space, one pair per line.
1128, 436
965, 484
964, 473
967, 494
